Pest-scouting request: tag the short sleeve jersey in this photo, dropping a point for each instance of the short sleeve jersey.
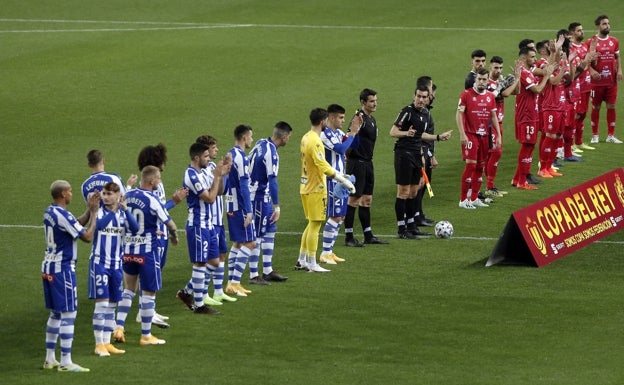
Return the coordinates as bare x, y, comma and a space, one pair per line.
97, 181
62, 230
335, 143
216, 207
608, 50
367, 136
478, 109
314, 167
197, 182
526, 100
411, 117
107, 248
238, 196
264, 164
584, 79
148, 211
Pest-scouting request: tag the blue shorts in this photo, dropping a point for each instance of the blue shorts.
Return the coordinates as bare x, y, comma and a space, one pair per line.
262, 217
104, 283
335, 207
147, 267
163, 247
59, 291
238, 232
222, 246
199, 240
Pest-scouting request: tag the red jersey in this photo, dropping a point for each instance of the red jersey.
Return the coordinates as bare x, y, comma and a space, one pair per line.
554, 97
478, 109
584, 79
607, 50
526, 100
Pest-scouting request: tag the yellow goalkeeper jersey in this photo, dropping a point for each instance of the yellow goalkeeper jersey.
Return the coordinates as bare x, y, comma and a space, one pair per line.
314, 167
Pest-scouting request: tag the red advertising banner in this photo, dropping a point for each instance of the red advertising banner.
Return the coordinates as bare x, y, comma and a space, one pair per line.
543, 232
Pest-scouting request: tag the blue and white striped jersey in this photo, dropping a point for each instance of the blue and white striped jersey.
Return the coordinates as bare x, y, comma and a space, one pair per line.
216, 208
336, 144
238, 196
264, 163
197, 182
110, 231
97, 181
147, 211
62, 230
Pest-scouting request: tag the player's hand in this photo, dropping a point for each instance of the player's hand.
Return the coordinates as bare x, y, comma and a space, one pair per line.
356, 123
122, 203
93, 201
446, 135
276, 215
180, 194
248, 219
434, 162
132, 180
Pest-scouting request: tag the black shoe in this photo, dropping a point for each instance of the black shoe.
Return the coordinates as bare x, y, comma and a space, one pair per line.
274, 277
532, 180
425, 222
406, 235
375, 241
353, 243
258, 280
186, 298
204, 309
419, 232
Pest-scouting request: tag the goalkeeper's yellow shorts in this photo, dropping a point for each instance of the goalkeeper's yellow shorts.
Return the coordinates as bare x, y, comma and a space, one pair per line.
314, 206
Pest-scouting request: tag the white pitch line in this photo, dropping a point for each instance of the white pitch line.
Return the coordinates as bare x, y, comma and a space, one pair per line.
191, 26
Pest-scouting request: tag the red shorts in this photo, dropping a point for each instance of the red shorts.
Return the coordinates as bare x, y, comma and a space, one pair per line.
607, 94
526, 132
477, 148
554, 122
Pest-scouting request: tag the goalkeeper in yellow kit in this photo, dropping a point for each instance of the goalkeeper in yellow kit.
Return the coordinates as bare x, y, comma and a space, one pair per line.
313, 189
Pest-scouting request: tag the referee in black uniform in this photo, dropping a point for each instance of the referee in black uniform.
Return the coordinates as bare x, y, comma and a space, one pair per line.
360, 164
410, 130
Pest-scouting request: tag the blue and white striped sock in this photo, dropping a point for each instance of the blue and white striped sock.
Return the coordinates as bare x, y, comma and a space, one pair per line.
268, 244
148, 304
66, 332
99, 319
124, 307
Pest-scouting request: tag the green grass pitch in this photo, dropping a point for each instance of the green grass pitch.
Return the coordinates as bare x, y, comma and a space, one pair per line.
118, 75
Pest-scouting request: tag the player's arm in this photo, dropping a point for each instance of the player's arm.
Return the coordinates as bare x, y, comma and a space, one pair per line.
93, 205
618, 65
173, 231
437, 138
459, 121
495, 125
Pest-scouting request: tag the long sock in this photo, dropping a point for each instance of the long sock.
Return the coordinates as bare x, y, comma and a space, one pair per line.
210, 272
254, 260
330, 232
477, 181
595, 120
365, 220
399, 211
611, 114
492, 167
578, 134
545, 152
232, 261
568, 141
52, 335
109, 322
349, 220
241, 262
410, 210
124, 306
66, 332
148, 304
217, 279
466, 180
99, 314
267, 245
197, 278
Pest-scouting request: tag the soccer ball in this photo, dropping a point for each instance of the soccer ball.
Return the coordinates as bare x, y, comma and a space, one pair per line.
443, 229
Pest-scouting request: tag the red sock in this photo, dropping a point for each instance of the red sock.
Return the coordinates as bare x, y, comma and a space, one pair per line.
466, 180
492, 167
611, 121
545, 151
477, 181
595, 119
578, 135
